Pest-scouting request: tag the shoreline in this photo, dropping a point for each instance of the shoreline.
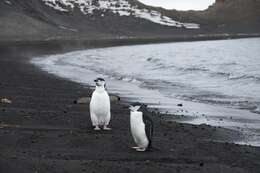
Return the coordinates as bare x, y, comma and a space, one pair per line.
69, 44
211, 113
43, 114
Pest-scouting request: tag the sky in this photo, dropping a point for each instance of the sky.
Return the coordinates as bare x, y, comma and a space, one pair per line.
180, 4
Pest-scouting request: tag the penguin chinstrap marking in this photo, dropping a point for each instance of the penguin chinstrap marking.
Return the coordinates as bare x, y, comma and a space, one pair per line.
100, 106
141, 128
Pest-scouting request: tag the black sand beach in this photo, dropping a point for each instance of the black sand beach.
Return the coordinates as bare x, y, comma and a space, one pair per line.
42, 130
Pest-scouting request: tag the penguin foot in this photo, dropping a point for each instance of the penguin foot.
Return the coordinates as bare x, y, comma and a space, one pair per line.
97, 128
106, 128
135, 147
141, 149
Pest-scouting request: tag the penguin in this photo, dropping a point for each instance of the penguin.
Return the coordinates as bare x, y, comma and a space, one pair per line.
141, 127
100, 106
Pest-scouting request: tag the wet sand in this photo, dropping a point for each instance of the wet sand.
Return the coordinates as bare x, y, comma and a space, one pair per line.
42, 130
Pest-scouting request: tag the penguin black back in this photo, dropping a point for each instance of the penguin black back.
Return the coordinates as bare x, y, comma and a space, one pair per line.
148, 125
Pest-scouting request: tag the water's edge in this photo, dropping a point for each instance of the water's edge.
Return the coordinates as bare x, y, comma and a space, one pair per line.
179, 109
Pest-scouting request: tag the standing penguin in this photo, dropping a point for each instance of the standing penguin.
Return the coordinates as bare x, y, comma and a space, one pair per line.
100, 106
141, 128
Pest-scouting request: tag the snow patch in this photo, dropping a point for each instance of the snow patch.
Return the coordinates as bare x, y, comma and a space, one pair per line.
120, 7
8, 2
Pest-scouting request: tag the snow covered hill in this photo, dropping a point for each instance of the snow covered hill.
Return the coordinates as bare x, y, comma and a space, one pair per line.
120, 7
121, 19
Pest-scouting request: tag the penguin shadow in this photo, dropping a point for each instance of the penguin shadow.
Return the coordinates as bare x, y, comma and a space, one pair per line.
101, 131
147, 151
90, 130
153, 149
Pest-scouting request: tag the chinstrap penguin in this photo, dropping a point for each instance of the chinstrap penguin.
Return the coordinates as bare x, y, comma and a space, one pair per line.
141, 127
100, 106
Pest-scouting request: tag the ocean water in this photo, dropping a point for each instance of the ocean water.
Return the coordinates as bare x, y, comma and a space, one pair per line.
217, 82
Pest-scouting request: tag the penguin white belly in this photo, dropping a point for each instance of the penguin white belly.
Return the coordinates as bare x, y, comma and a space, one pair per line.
100, 108
138, 129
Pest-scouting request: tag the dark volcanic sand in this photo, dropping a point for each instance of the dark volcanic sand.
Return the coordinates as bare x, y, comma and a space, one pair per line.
44, 131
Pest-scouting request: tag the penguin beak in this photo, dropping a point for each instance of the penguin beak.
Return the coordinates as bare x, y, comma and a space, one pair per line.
95, 80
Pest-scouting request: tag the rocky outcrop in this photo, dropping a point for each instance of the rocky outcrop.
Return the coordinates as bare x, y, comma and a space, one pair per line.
220, 1
236, 16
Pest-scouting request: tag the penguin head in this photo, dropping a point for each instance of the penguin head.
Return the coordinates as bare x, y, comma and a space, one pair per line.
135, 106
100, 82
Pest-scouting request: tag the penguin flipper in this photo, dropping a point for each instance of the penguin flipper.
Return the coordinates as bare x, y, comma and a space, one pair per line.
149, 131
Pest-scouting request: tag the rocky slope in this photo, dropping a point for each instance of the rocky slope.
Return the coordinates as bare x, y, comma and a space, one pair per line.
234, 15
92, 19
